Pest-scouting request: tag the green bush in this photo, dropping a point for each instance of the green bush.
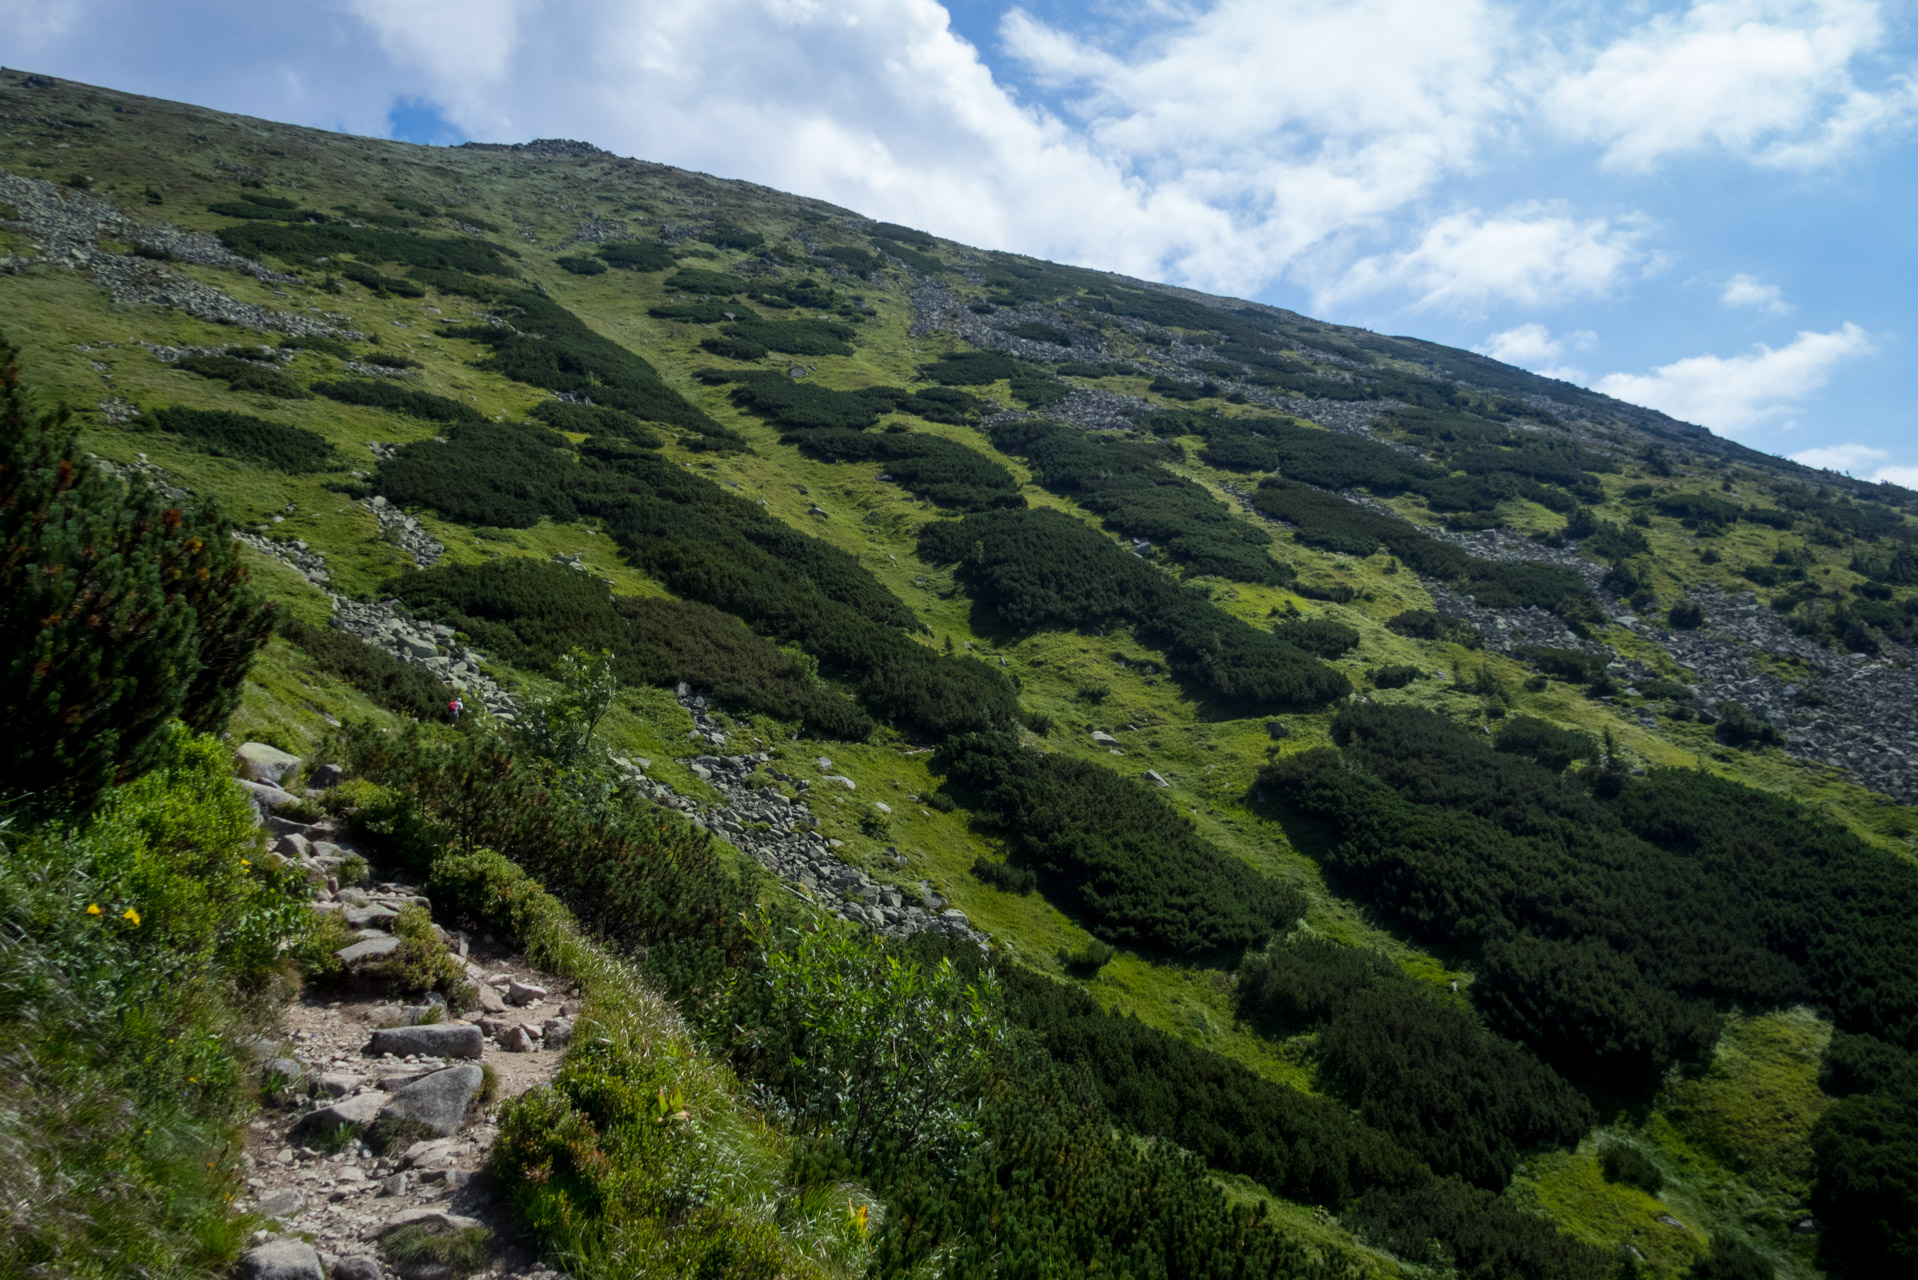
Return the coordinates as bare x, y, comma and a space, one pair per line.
1004, 876
395, 685
548, 346
396, 399
700, 280
941, 471
259, 440
1412, 1063
1732, 1259
506, 474
1044, 568
160, 623
720, 549
637, 876
1738, 726
245, 375
1395, 676
716, 652
1605, 924
1087, 960
582, 266
1322, 636
1481, 1234
361, 274
1629, 1165
969, 368
637, 255
594, 420
880, 1051
794, 337
1127, 484
303, 243
1112, 853
1551, 746
143, 948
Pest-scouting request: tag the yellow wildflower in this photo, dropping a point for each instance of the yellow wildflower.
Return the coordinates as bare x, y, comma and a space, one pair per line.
131, 916
245, 862
93, 908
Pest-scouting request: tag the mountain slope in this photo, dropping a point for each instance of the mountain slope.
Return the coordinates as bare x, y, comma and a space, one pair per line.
1135, 535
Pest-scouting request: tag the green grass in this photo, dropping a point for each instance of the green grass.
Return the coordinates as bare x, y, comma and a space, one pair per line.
1729, 1139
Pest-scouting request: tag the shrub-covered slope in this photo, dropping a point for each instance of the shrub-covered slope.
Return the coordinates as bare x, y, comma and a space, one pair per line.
1419, 773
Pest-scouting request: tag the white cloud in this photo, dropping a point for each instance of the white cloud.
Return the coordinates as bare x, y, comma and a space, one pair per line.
1768, 79
1535, 254
1855, 460
470, 40
1737, 393
1259, 106
1839, 457
1750, 292
1533, 346
1222, 147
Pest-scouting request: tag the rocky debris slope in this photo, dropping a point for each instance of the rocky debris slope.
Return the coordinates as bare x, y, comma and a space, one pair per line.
780, 834
69, 227
385, 1115
1849, 711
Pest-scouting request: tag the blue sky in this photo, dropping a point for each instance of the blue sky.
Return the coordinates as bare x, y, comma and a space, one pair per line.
1701, 206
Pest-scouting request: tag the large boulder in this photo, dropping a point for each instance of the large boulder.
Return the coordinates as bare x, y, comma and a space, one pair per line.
267, 798
437, 1102
367, 950
265, 764
436, 1040
282, 1260
355, 1112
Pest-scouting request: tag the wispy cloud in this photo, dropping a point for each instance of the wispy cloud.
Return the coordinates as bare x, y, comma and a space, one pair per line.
1535, 254
1769, 80
1751, 293
1734, 394
1534, 347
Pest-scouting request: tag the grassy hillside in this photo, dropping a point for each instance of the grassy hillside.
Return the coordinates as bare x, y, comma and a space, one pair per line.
1157, 548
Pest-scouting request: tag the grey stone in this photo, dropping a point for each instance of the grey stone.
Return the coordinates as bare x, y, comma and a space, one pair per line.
268, 797
439, 1040
1156, 778
517, 1039
842, 780
293, 846
263, 763
283, 1203
282, 1260
357, 1111
369, 949
288, 1069
524, 993
557, 1032
393, 1184
357, 1267
369, 917
437, 1101
336, 1084
437, 1153
488, 999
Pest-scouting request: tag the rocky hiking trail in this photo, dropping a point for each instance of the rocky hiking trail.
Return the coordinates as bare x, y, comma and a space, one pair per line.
371, 1164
